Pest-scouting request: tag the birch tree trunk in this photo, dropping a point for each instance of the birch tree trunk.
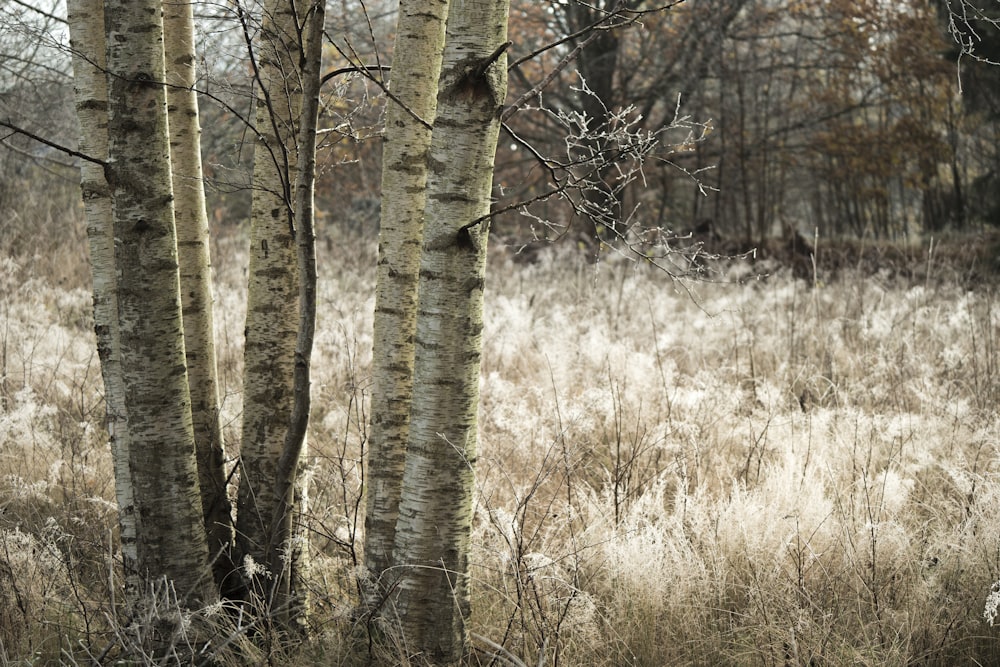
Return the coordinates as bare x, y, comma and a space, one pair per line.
435, 510
273, 292
416, 68
171, 540
290, 591
86, 26
194, 257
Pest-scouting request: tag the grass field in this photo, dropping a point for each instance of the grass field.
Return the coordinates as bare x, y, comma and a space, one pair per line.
752, 471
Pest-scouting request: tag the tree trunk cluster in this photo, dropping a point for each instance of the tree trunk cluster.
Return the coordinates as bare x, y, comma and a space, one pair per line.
148, 232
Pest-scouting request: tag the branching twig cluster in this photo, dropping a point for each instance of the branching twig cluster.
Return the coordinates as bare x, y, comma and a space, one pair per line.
966, 20
601, 158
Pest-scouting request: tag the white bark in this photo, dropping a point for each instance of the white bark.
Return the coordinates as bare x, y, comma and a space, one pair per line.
416, 68
272, 447
86, 25
435, 511
171, 536
194, 257
272, 297
290, 594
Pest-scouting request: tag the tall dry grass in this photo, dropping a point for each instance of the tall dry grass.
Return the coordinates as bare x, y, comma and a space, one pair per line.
769, 473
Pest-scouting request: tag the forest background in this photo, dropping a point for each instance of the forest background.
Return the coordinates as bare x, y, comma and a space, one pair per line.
794, 462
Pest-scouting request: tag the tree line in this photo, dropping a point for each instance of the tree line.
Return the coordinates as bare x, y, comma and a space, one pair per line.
749, 120
855, 119
846, 118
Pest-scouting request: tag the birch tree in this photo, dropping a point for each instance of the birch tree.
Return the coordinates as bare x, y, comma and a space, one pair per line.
171, 540
281, 297
416, 67
435, 510
290, 590
86, 25
272, 290
194, 257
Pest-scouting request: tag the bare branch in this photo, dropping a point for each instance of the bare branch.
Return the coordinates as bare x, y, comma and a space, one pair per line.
600, 24
51, 144
366, 72
352, 69
536, 90
51, 17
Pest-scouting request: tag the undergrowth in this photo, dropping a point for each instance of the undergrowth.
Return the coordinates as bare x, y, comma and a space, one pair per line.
758, 471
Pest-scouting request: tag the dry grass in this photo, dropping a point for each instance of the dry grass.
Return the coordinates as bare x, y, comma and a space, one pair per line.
782, 472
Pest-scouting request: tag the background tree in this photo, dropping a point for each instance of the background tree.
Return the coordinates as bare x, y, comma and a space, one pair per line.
975, 29
774, 83
36, 95
825, 114
630, 56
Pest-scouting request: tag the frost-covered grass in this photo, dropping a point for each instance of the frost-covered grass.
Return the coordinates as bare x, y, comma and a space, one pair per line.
771, 473
760, 474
